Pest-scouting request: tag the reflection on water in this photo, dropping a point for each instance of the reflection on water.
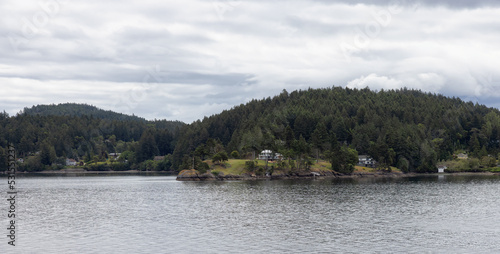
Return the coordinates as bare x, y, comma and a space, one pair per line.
156, 214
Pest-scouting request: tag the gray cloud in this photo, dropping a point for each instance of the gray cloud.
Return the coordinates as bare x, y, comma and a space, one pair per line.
191, 59
445, 3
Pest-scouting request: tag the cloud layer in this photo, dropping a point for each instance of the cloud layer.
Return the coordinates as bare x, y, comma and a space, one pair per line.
163, 59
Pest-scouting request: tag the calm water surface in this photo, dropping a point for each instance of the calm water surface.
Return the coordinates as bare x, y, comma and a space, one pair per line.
156, 214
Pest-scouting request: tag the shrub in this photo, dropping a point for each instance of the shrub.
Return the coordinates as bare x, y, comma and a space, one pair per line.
271, 170
250, 165
97, 167
260, 171
148, 165
488, 161
120, 166
219, 157
474, 164
281, 165
202, 170
235, 154
202, 166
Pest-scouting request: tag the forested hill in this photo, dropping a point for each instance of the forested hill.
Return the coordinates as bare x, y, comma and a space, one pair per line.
74, 109
45, 136
405, 128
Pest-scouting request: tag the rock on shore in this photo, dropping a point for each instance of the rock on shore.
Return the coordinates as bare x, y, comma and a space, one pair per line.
194, 175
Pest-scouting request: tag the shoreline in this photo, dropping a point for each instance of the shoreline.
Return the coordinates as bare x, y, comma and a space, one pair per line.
83, 171
192, 175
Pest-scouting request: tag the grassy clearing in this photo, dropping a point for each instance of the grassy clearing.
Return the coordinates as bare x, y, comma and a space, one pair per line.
359, 169
231, 167
237, 167
321, 166
494, 170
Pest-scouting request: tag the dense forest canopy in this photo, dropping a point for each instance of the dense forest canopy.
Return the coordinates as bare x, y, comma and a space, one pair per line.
48, 134
75, 109
405, 128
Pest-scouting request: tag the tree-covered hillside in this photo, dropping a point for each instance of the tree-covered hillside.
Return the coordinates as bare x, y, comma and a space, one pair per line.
48, 135
405, 128
75, 109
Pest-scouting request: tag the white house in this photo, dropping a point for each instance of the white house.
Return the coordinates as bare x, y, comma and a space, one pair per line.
268, 155
366, 161
114, 155
70, 162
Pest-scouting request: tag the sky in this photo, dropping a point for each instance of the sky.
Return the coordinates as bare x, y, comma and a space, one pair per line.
184, 60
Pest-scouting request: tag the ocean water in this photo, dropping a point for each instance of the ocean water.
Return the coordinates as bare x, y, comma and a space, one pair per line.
157, 214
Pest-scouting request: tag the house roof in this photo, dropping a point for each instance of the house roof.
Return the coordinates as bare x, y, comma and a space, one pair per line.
159, 158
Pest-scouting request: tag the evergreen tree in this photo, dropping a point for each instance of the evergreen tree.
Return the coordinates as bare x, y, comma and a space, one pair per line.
47, 154
319, 138
147, 146
3, 159
289, 137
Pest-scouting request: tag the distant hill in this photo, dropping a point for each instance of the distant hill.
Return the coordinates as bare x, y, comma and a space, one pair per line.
75, 109
46, 135
407, 129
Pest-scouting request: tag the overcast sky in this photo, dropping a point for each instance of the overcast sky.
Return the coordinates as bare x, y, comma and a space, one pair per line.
183, 60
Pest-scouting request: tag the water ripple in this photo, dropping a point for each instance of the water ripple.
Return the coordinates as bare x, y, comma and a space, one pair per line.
156, 214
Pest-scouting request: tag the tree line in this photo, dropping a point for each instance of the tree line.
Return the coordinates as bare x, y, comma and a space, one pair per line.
45, 141
403, 128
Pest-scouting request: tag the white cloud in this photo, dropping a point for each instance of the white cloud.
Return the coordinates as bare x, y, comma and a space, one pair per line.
375, 82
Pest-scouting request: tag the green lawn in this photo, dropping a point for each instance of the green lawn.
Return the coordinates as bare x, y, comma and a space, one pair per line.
237, 167
231, 167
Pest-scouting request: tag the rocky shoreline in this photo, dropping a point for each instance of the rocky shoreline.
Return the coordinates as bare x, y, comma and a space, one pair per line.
83, 171
193, 175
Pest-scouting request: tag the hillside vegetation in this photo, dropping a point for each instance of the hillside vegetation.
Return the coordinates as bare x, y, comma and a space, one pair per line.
46, 135
405, 129
75, 109
408, 129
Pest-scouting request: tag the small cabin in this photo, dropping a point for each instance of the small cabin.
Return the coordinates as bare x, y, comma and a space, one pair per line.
70, 162
441, 169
